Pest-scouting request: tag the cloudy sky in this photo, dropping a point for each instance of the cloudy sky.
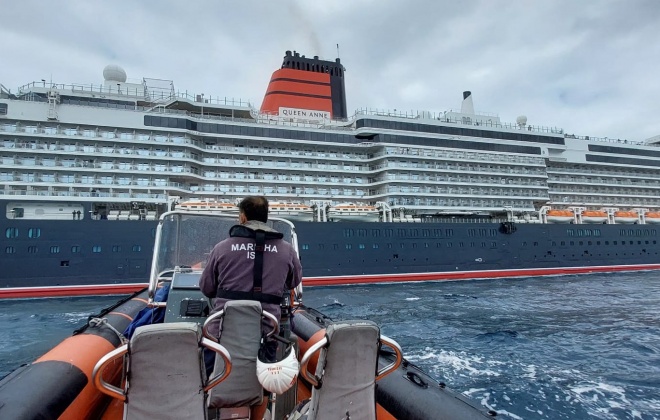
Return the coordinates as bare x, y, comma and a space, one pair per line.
588, 66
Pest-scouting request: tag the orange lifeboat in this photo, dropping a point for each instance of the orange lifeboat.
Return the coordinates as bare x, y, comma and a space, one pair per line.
208, 206
560, 216
298, 212
594, 216
626, 216
652, 217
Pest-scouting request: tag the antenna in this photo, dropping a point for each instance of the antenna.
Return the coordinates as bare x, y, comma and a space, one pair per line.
337, 50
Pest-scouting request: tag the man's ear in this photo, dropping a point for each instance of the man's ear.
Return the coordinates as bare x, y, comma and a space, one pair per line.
242, 219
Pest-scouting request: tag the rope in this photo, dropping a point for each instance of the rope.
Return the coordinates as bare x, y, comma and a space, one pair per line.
97, 322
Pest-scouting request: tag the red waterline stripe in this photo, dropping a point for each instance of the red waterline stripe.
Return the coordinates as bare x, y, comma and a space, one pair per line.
60, 291
117, 289
468, 275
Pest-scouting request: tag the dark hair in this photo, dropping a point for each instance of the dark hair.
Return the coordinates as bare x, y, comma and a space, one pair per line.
254, 208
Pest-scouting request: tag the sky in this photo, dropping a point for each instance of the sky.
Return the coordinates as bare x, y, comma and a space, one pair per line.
590, 67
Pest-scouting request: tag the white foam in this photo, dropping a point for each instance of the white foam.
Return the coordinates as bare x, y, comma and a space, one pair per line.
412, 298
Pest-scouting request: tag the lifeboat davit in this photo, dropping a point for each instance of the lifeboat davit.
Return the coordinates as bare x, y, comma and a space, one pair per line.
560, 216
626, 217
652, 217
594, 216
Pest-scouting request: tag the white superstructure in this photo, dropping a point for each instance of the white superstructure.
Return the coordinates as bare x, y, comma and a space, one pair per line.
125, 142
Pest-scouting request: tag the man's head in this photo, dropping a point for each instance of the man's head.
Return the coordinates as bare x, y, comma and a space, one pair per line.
253, 208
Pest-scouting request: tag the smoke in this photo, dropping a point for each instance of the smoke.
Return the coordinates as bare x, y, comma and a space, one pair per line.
306, 26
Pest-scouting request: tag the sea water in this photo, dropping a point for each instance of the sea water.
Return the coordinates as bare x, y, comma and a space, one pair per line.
565, 347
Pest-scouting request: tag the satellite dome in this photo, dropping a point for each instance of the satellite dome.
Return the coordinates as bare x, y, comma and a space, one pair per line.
114, 73
521, 120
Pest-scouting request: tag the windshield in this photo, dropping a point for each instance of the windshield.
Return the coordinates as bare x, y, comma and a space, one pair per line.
185, 240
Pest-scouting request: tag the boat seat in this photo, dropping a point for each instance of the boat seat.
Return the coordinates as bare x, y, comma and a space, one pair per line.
241, 322
344, 385
164, 371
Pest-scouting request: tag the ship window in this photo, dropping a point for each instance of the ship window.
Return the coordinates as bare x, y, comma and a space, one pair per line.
3, 109
493, 244
615, 243
563, 243
75, 249
54, 249
96, 248
34, 232
389, 246
375, 246
375, 233
10, 250
64, 263
321, 246
137, 248
461, 244
32, 249
349, 246
536, 244
115, 248
305, 246
11, 232
361, 246
450, 244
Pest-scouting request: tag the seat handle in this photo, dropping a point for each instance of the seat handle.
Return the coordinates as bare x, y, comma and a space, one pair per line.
222, 351
97, 373
304, 362
386, 341
221, 314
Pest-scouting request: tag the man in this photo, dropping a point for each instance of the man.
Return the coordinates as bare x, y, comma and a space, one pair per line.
239, 263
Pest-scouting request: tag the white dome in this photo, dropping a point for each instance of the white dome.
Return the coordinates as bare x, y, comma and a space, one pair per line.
114, 73
521, 120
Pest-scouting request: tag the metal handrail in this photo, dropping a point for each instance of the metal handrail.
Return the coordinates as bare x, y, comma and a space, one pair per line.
315, 380
395, 364
220, 314
97, 374
120, 394
222, 351
304, 362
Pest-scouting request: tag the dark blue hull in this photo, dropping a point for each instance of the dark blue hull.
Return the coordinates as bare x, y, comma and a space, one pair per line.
92, 252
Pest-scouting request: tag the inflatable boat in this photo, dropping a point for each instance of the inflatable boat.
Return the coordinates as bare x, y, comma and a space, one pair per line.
341, 369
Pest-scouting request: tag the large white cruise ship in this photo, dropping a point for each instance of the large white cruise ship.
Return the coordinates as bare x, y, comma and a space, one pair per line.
87, 170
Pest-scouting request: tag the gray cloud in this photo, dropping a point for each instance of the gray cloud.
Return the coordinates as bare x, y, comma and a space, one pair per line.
587, 66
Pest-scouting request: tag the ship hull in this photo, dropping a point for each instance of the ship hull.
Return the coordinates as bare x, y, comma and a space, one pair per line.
112, 254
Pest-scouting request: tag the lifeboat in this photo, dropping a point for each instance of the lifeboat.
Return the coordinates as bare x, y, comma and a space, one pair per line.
297, 212
594, 216
628, 217
353, 212
85, 375
560, 216
208, 206
652, 217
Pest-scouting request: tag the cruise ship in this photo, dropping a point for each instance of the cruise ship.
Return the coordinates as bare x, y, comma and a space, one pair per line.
376, 196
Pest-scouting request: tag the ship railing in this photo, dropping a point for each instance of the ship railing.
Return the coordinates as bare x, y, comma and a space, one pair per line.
444, 117
263, 119
606, 139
